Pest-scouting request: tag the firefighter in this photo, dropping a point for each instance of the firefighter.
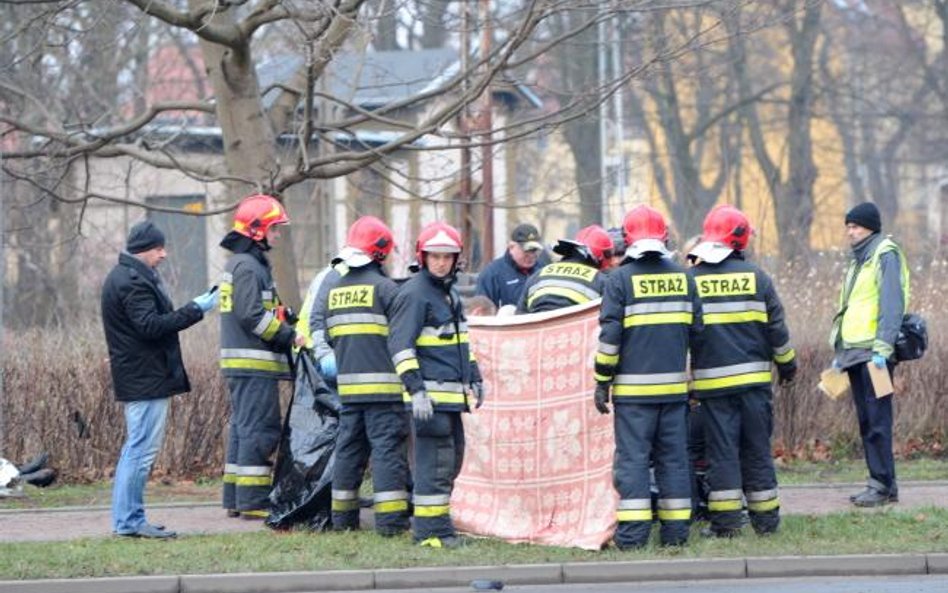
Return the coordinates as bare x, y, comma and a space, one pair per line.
255, 343
649, 316
429, 346
744, 334
574, 279
374, 424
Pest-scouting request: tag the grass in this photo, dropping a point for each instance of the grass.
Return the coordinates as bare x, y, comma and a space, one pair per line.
886, 531
208, 490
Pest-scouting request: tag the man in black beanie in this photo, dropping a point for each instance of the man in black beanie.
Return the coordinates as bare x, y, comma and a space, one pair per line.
141, 329
872, 302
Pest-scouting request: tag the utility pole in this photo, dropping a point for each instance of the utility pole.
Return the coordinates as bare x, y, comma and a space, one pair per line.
3, 282
464, 127
487, 150
617, 107
603, 119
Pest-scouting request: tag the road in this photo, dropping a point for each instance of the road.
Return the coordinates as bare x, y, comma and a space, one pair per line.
914, 584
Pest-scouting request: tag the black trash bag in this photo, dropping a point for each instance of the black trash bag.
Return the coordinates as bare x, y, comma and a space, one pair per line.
302, 485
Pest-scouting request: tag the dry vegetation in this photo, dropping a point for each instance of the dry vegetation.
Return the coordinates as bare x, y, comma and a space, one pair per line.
50, 376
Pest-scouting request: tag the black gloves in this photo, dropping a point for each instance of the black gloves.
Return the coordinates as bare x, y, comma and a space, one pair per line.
786, 372
601, 398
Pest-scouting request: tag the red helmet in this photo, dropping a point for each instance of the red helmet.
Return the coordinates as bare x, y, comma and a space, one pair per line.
727, 225
372, 237
256, 214
438, 237
644, 222
598, 242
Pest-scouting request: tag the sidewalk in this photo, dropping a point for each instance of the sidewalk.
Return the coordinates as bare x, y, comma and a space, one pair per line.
194, 519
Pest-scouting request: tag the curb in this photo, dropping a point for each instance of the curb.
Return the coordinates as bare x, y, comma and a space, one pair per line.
528, 574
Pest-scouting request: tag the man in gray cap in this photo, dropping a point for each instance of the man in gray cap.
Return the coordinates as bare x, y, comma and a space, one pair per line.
141, 329
503, 279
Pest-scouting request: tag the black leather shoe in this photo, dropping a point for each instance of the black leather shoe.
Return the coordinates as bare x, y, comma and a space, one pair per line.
147, 531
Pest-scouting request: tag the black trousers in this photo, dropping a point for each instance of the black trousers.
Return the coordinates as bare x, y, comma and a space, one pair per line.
875, 429
254, 435
378, 432
438, 453
738, 429
659, 432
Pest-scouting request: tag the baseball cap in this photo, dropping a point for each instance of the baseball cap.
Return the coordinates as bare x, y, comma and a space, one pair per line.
528, 236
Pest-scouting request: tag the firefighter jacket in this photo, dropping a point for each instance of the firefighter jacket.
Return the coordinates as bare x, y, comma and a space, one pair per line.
357, 327
744, 329
570, 281
650, 314
429, 342
255, 341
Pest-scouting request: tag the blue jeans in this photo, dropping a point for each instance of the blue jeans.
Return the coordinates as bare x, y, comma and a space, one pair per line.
145, 427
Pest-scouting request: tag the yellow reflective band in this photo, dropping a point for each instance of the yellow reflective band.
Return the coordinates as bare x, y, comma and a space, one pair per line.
269, 304
764, 505
725, 285
661, 389
724, 505
736, 317
567, 293
634, 515
230, 478
601, 378
252, 364
353, 329
431, 542
404, 366
659, 285
786, 356
343, 506
432, 511
227, 297
272, 328
253, 481
608, 359
370, 388
262, 514
733, 381
446, 397
570, 270
360, 295
436, 341
657, 318
674, 515
391, 506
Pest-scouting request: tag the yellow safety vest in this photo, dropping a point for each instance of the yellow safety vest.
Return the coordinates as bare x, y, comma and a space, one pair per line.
858, 317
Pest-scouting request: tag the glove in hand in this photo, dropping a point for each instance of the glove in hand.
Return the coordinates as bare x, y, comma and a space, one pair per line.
421, 407
477, 388
878, 360
208, 300
786, 373
601, 398
327, 366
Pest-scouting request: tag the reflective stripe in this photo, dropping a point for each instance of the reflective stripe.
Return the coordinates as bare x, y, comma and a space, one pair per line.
253, 480
734, 369
573, 291
407, 365
267, 295
359, 378
230, 468
390, 495
431, 339
253, 470
652, 378
264, 324
674, 503
403, 355
600, 378
741, 317
230, 478
446, 397
431, 499
657, 319
734, 312
724, 505
253, 354
432, 511
784, 354
725, 494
635, 515
735, 375
627, 504
449, 386
256, 365
371, 388
607, 359
347, 318
763, 506
344, 506
734, 307
663, 307
608, 348
761, 495
391, 506
227, 277
358, 329
674, 514
345, 494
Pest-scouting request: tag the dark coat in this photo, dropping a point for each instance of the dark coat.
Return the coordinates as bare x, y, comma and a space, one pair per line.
141, 330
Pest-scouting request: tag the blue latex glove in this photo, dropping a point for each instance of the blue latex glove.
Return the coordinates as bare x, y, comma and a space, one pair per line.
835, 365
208, 300
878, 360
327, 366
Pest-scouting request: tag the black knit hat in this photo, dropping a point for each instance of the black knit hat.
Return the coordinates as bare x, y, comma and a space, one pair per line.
865, 215
144, 236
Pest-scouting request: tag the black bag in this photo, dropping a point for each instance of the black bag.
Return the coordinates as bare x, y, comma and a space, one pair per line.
913, 338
